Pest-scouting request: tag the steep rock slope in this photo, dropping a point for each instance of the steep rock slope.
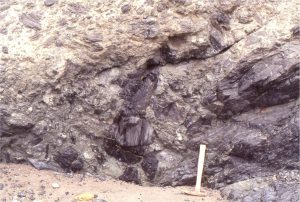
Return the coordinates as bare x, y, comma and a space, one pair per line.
129, 90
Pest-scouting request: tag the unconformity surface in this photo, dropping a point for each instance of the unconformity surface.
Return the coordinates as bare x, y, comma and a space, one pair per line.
129, 89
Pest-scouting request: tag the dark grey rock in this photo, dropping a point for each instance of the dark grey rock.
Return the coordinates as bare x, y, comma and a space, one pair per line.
77, 165
184, 174
130, 175
251, 86
121, 154
150, 165
65, 157
262, 189
296, 31
5, 49
125, 8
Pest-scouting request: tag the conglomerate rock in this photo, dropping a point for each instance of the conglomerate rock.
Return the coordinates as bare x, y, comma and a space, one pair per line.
129, 89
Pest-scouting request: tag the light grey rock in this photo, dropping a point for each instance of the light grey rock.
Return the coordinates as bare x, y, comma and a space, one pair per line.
134, 131
31, 20
50, 2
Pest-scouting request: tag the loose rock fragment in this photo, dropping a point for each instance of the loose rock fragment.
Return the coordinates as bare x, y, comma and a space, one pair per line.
126, 8
5, 49
22, 194
55, 185
49, 2
19, 121
85, 196
31, 20
130, 175
93, 37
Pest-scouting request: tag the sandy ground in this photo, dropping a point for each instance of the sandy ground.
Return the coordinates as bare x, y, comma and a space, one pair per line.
24, 183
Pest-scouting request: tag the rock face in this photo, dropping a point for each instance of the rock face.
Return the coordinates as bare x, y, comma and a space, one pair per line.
129, 90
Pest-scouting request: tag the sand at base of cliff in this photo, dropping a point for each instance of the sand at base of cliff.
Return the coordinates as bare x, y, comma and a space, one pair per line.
24, 183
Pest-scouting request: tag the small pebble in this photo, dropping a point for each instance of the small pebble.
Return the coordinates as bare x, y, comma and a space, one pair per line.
5, 49
99, 200
49, 2
41, 193
55, 185
21, 194
125, 9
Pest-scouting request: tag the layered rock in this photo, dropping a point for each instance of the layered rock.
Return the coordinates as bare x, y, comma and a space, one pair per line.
129, 90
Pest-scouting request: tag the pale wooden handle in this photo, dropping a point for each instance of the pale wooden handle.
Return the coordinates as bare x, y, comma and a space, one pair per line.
200, 167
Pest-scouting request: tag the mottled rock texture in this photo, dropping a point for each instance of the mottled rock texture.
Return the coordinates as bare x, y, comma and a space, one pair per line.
129, 89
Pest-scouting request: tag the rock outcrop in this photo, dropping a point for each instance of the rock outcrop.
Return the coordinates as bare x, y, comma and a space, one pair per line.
129, 90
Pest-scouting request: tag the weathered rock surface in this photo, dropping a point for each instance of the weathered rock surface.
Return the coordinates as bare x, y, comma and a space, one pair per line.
130, 89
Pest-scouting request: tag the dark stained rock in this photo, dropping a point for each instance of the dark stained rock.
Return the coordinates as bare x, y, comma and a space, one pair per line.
257, 146
149, 165
184, 174
77, 165
154, 62
296, 31
65, 157
173, 55
130, 175
120, 153
255, 84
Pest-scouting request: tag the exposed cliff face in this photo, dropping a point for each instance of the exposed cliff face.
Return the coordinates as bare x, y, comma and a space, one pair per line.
130, 90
